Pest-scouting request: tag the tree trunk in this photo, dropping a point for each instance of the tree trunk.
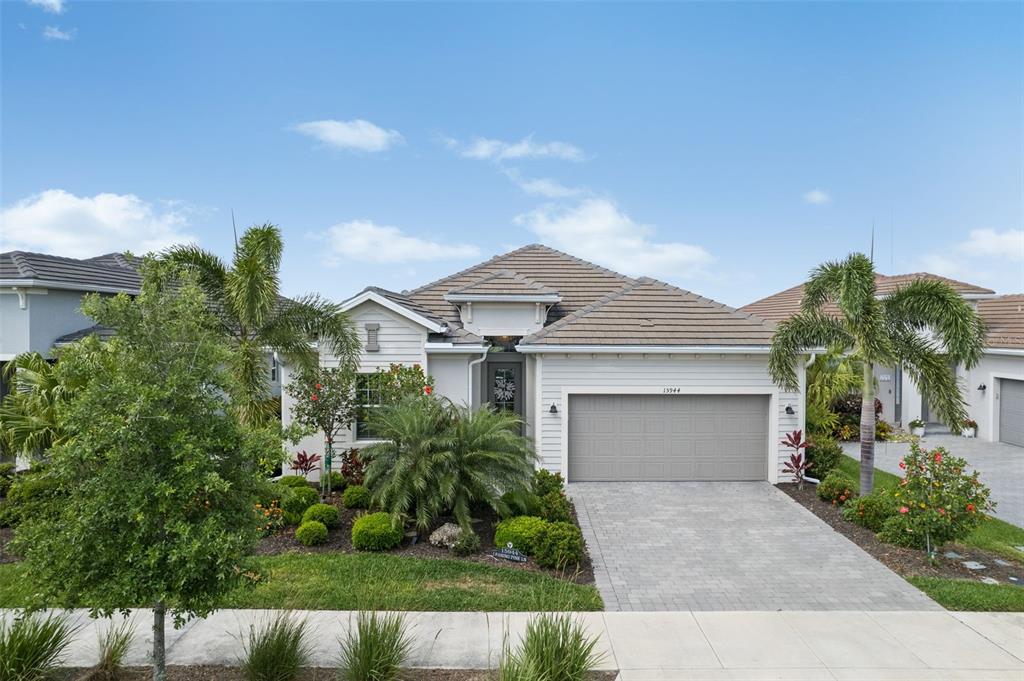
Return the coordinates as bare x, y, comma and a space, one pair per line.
159, 653
867, 430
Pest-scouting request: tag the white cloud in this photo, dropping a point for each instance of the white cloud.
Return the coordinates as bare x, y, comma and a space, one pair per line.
356, 134
484, 149
58, 222
365, 241
55, 33
990, 243
595, 229
542, 186
51, 6
817, 197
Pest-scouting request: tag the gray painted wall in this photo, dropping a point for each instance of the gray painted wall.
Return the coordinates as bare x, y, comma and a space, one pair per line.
46, 317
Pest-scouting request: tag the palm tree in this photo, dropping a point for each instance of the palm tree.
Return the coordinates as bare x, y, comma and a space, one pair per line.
28, 414
257, 320
921, 326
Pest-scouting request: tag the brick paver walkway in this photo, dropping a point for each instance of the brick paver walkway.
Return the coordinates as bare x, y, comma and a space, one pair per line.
726, 546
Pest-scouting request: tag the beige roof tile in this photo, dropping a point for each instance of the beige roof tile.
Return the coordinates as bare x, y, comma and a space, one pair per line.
1004, 316
504, 283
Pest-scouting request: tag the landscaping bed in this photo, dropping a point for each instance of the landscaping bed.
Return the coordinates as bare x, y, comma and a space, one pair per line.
218, 673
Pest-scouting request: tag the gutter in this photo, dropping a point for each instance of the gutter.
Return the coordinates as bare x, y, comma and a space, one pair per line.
469, 379
645, 349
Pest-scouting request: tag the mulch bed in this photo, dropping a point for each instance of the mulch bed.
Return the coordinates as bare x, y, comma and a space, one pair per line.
903, 561
215, 673
339, 540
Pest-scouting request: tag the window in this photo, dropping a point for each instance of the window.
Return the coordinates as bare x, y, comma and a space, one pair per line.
368, 397
273, 368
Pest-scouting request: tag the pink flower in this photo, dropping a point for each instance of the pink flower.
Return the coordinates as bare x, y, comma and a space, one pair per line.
318, 386
903, 464
942, 511
314, 397
938, 457
904, 509
427, 390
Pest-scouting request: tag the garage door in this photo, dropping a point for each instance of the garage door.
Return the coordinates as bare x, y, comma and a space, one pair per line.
668, 437
1011, 412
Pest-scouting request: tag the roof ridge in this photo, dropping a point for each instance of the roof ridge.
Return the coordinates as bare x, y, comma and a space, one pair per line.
19, 259
507, 273
569, 318
936, 276
467, 270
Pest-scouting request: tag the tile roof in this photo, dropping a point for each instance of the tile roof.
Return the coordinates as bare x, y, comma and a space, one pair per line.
104, 332
1004, 316
785, 304
504, 283
650, 312
105, 272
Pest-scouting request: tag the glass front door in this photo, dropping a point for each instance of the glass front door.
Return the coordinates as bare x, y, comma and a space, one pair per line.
505, 386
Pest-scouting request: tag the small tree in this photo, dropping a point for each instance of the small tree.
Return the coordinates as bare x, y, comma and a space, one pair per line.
325, 400
158, 477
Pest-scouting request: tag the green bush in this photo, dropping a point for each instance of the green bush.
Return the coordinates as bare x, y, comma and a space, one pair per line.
337, 480
277, 650
555, 508
295, 501
6, 477
375, 649
871, 511
29, 496
374, 532
294, 481
520, 502
467, 544
520, 531
546, 482
322, 513
824, 455
836, 488
311, 532
559, 545
554, 648
32, 647
356, 496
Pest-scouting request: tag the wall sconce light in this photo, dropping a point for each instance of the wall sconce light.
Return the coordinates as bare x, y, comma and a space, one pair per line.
553, 409
790, 410
982, 387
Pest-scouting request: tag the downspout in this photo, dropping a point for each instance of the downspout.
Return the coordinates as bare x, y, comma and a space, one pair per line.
472, 364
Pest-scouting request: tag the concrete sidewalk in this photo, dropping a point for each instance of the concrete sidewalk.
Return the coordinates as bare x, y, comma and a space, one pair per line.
658, 646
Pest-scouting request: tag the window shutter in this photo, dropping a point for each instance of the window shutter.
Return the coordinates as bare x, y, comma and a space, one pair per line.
371, 337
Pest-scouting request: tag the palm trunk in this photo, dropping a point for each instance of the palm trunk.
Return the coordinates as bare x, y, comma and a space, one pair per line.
867, 430
159, 653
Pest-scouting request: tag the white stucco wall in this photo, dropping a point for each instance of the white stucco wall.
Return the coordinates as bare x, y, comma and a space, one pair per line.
652, 374
983, 406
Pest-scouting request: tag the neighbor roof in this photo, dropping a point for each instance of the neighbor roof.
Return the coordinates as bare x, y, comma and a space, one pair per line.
785, 304
1004, 316
109, 272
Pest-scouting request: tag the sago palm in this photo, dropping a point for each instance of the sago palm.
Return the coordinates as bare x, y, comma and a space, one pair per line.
438, 459
252, 313
921, 326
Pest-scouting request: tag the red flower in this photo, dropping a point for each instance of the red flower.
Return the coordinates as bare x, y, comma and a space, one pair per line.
427, 390
903, 464
314, 397
942, 511
904, 509
970, 508
938, 457
318, 386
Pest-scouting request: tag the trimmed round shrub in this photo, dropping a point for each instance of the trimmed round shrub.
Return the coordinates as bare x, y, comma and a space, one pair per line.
546, 482
356, 496
559, 545
836, 488
295, 501
555, 508
322, 513
294, 481
338, 482
871, 511
467, 544
520, 502
520, 531
311, 532
375, 532
29, 496
824, 456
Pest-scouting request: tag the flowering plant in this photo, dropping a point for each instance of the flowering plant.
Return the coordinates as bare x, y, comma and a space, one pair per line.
937, 500
970, 423
270, 518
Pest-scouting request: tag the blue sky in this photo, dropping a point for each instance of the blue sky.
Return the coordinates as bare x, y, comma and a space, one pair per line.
726, 148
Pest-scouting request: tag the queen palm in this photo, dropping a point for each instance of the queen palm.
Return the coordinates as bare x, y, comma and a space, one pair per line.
257, 320
921, 326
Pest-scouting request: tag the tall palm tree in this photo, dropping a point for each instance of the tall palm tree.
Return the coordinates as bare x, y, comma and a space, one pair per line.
257, 320
922, 326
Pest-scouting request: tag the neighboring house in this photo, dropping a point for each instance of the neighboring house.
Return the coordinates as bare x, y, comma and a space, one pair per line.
993, 390
614, 378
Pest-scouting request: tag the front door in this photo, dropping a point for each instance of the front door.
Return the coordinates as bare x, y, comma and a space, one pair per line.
505, 386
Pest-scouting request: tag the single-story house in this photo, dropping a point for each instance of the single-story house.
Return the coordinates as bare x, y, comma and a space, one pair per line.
993, 390
614, 377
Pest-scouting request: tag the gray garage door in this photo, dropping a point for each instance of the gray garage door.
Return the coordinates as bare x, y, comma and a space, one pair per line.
1011, 412
668, 437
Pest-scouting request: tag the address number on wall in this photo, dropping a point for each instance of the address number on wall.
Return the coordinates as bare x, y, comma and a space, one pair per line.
672, 391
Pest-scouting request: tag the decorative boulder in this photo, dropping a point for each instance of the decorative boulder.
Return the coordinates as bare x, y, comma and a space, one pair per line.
446, 536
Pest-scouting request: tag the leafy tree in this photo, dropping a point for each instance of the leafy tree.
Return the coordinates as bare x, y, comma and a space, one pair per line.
437, 458
28, 414
921, 325
325, 400
252, 314
158, 478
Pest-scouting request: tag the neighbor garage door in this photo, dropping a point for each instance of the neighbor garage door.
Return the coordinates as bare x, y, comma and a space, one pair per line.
1011, 412
668, 437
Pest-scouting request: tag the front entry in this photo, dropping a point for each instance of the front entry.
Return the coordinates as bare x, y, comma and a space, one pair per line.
504, 387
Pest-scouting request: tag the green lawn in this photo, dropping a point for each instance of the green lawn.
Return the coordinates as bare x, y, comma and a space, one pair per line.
960, 594
363, 581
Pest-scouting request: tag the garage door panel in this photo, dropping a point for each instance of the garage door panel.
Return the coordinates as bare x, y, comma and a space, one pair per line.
1011, 412
668, 437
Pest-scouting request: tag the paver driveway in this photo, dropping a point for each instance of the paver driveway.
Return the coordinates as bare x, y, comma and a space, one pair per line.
726, 546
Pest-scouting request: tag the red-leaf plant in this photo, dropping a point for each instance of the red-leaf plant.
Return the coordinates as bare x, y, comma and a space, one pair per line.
798, 465
305, 463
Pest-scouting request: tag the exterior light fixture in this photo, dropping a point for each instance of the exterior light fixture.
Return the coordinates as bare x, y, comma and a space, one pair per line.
554, 409
982, 387
790, 410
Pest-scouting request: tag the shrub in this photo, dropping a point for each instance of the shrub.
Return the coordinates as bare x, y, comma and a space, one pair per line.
883, 430
337, 480
559, 545
322, 513
546, 482
555, 507
824, 455
277, 650
29, 496
356, 496
520, 531
295, 501
6, 477
113, 645
871, 511
519, 502
311, 532
375, 649
32, 647
375, 532
555, 647
467, 543
294, 481
836, 488
352, 467
937, 500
